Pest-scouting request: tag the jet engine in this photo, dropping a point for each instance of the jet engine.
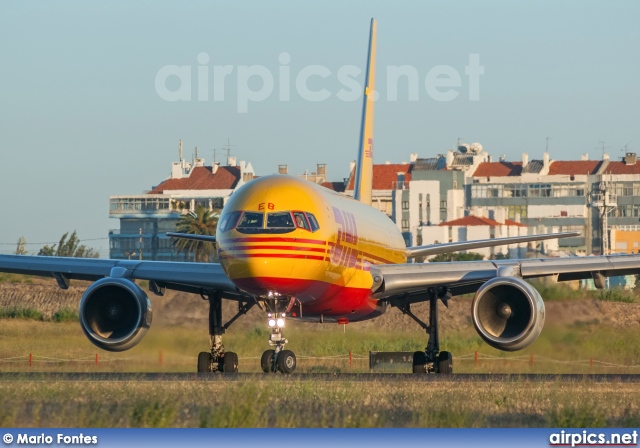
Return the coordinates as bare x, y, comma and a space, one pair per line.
508, 313
115, 314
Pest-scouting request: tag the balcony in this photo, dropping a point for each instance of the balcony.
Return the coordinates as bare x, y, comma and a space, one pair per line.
148, 204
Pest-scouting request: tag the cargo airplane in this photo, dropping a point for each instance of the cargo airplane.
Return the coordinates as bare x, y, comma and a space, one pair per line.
302, 252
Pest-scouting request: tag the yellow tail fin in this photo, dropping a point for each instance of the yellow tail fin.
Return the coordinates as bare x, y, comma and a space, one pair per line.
364, 167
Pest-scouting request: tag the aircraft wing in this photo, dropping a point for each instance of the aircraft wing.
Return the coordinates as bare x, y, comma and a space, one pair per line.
189, 277
464, 277
434, 249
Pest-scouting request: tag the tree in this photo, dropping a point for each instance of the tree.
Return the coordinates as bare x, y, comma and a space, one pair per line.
20, 248
200, 222
456, 256
69, 248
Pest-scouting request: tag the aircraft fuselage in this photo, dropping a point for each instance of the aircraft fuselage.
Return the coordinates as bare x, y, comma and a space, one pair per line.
285, 236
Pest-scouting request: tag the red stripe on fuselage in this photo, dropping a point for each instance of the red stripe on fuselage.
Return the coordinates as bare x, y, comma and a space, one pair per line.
265, 246
318, 298
273, 240
300, 256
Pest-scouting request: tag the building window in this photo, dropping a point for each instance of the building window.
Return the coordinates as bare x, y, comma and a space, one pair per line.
405, 205
443, 206
405, 224
539, 190
514, 210
515, 191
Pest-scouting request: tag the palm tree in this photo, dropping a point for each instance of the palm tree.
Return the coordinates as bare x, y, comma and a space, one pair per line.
200, 222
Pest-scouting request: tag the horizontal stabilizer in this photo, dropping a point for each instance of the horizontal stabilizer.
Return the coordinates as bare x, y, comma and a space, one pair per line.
435, 249
188, 236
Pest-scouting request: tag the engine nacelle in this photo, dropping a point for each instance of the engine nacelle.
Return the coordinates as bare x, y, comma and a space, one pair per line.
115, 314
508, 313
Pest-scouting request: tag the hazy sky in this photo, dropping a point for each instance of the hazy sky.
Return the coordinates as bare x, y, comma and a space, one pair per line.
81, 119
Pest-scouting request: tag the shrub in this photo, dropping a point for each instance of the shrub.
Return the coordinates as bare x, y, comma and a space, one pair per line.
615, 295
20, 313
65, 315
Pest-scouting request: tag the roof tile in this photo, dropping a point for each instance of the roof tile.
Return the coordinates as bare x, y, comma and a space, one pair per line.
385, 176
498, 169
574, 167
202, 178
473, 220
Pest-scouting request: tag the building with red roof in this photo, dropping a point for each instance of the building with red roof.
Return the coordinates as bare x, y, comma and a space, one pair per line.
150, 215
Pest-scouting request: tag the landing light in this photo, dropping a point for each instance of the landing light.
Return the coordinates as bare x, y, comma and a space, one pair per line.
272, 323
280, 323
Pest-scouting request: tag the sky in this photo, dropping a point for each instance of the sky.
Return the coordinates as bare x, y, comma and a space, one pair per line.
93, 97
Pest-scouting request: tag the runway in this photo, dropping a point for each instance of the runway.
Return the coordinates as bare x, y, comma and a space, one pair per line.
318, 377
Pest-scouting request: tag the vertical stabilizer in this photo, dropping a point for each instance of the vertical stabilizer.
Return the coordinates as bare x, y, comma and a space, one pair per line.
364, 167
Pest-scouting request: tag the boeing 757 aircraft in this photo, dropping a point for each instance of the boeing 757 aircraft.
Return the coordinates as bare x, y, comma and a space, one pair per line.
302, 252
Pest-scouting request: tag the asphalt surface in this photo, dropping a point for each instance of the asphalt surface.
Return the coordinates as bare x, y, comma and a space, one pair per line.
360, 377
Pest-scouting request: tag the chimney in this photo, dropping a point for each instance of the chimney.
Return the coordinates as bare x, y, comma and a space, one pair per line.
449, 158
489, 159
605, 156
413, 157
525, 160
283, 169
584, 156
214, 168
630, 158
321, 169
503, 158
232, 161
176, 170
545, 159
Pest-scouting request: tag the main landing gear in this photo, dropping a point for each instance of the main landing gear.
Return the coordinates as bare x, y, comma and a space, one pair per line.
277, 359
431, 360
217, 360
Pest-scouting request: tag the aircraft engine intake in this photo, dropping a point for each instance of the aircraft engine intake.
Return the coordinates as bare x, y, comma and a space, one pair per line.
508, 313
115, 314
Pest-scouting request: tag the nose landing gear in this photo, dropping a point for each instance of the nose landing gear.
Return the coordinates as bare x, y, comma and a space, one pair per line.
277, 359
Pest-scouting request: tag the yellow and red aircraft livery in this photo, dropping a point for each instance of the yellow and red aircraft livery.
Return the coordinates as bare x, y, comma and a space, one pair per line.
287, 236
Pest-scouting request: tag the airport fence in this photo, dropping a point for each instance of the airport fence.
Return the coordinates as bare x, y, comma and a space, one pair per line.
349, 360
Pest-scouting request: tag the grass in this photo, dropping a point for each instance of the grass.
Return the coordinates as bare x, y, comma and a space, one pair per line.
277, 401
616, 295
559, 349
15, 278
286, 402
65, 315
62, 315
21, 313
562, 291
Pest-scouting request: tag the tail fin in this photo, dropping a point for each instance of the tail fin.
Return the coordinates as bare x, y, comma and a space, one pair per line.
364, 167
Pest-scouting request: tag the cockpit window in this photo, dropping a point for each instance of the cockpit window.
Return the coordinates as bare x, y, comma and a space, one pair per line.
280, 220
313, 222
251, 220
277, 222
301, 221
229, 221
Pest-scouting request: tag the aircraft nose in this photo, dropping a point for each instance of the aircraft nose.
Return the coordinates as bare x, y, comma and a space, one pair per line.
258, 273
